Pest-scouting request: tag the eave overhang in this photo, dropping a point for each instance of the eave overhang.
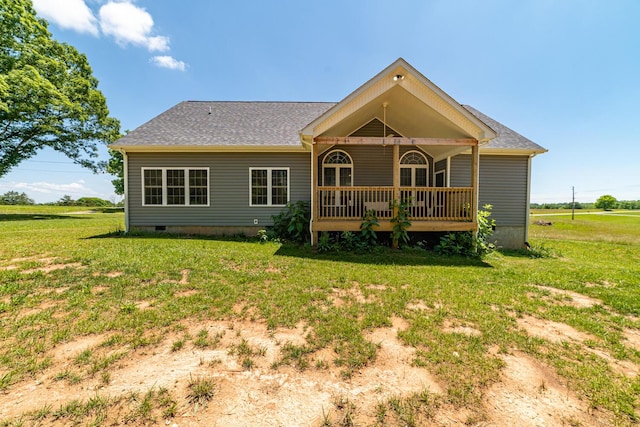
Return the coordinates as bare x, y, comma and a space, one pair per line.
509, 151
410, 93
209, 148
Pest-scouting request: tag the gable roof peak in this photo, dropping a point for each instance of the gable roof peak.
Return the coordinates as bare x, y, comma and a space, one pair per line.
401, 74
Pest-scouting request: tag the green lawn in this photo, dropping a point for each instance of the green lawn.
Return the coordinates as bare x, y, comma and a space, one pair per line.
594, 255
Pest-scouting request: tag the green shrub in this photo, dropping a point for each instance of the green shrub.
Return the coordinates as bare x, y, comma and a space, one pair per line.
401, 222
292, 224
463, 242
369, 221
324, 242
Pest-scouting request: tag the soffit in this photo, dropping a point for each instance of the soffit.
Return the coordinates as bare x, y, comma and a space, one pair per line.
415, 105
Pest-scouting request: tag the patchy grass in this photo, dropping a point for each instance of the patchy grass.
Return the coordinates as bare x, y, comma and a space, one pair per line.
123, 288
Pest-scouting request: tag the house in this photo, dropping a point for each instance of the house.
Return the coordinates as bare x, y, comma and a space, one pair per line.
227, 167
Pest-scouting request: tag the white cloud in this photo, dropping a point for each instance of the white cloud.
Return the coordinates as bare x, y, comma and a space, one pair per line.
129, 24
165, 61
72, 14
77, 188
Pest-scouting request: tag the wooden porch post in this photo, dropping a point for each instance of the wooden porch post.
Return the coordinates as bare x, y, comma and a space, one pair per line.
314, 193
396, 182
475, 180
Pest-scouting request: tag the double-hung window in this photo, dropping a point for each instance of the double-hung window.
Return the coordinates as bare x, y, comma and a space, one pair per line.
175, 186
269, 186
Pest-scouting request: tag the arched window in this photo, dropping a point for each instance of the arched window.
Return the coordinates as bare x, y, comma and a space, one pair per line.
413, 170
337, 169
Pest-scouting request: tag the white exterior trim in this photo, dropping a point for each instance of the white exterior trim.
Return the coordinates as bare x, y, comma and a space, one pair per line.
269, 186
125, 166
337, 166
186, 186
413, 167
211, 148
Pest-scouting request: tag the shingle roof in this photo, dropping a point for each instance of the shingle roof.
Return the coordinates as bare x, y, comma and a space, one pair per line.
227, 123
269, 124
507, 138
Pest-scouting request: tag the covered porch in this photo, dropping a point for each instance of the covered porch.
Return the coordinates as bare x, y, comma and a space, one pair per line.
339, 205
391, 141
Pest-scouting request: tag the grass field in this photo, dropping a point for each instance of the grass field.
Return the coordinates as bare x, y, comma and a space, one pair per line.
66, 277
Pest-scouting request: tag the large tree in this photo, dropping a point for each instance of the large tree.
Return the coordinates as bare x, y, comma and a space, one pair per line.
606, 202
115, 166
15, 198
48, 95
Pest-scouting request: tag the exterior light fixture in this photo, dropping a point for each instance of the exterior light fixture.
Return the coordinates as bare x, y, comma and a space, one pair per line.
398, 77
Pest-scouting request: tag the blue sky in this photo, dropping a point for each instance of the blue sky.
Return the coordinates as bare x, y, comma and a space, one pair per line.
564, 73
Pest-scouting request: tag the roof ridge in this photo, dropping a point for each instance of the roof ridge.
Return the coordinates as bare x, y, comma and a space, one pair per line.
260, 102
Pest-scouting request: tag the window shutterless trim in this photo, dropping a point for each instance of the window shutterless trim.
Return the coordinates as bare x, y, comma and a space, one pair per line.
164, 186
269, 186
337, 167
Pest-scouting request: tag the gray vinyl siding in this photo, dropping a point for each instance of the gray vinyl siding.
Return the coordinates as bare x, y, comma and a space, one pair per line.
460, 173
503, 184
372, 165
228, 188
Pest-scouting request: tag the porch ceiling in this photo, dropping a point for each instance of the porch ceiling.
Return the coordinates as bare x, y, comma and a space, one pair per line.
415, 107
408, 115
405, 113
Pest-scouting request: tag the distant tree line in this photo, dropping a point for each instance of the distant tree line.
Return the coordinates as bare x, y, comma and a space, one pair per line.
606, 202
15, 198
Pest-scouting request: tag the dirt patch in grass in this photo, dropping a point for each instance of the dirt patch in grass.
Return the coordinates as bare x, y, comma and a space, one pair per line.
184, 294
622, 367
531, 394
559, 332
97, 290
42, 258
632, 336
35, 310
52, 267
272, 269
184, 278
571, 298
266, 394
452, 327
377, 287
143, 305
259, 396
603, 284
339, 297
69, 350
110, 274
417, 305
553, 331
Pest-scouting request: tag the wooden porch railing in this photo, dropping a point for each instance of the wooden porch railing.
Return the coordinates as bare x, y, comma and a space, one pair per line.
425, 203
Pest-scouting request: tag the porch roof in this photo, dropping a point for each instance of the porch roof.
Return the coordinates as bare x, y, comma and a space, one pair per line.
407, 101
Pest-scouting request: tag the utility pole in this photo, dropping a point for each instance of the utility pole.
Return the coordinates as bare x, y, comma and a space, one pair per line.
573, 203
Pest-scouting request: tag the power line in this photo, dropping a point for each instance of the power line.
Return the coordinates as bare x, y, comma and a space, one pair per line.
67, 172
49, 161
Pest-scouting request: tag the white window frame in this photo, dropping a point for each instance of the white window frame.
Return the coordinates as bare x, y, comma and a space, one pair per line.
414, 166
269, 170
337, 167
186, 186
